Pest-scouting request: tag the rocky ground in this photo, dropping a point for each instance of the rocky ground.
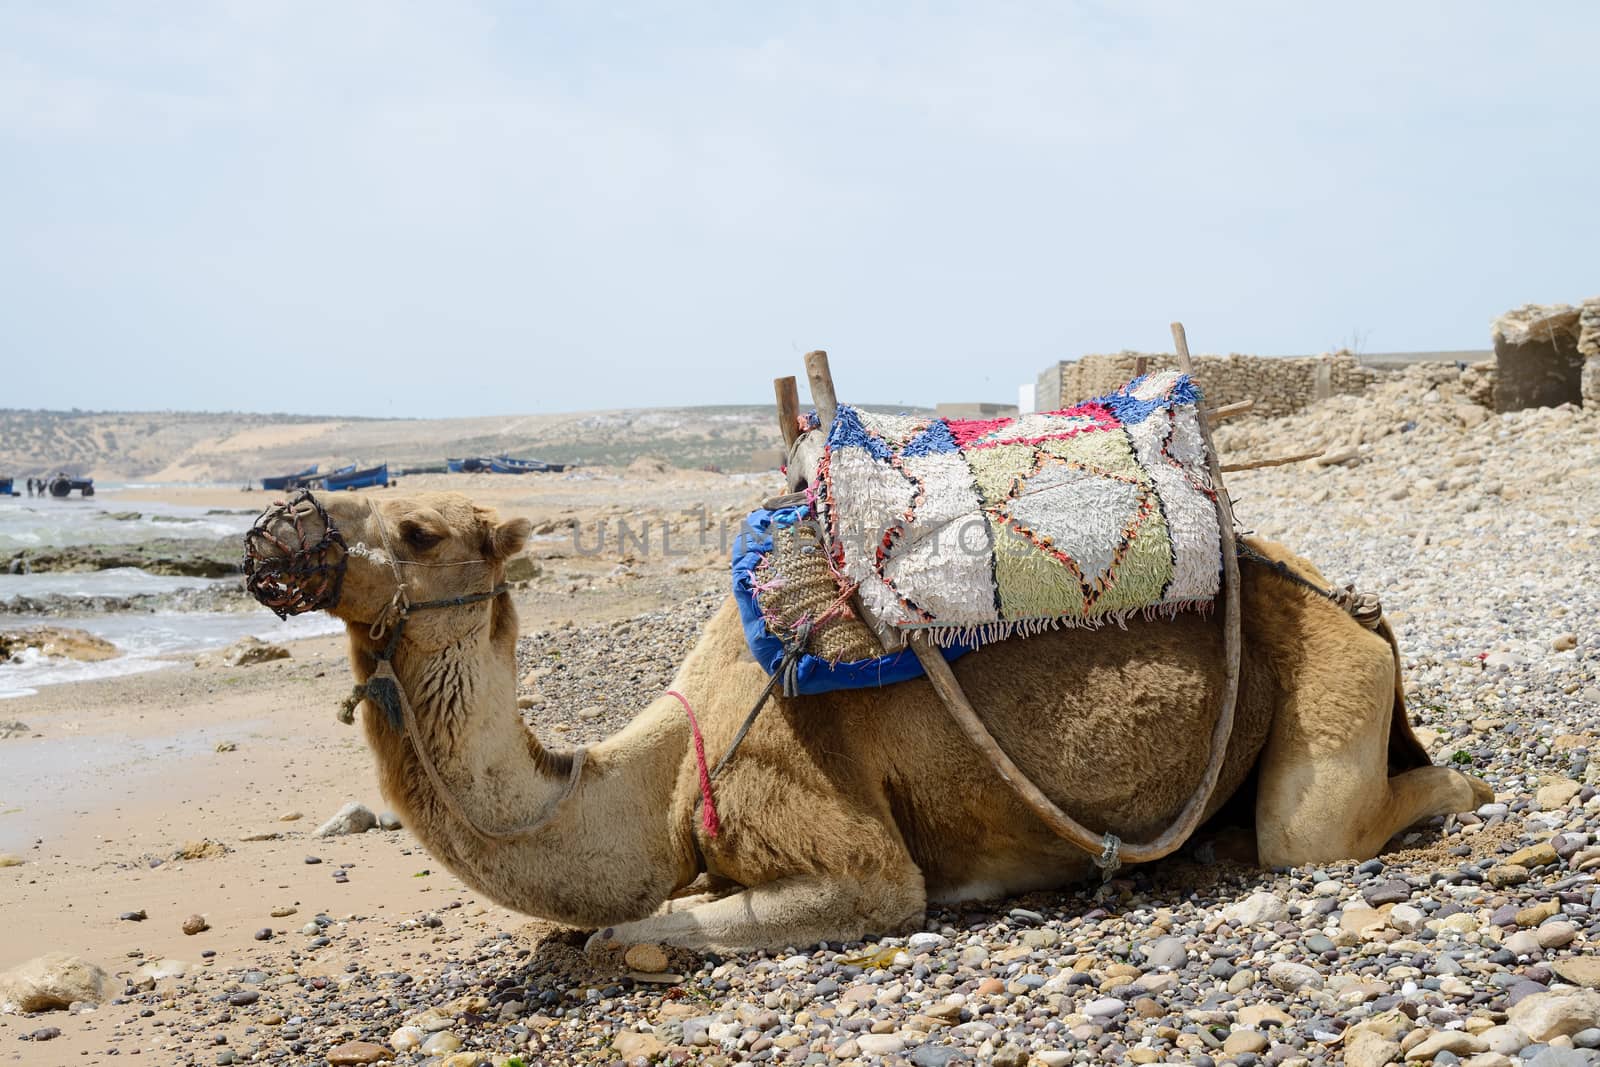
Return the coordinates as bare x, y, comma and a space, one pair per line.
189, 557
1469, 941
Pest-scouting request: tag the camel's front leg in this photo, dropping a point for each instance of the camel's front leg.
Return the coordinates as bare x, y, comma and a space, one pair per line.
793, 912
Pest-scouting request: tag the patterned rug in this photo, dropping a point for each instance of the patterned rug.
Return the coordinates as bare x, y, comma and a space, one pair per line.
978, 530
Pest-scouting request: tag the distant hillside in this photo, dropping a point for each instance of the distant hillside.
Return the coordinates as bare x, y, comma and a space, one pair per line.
234, 447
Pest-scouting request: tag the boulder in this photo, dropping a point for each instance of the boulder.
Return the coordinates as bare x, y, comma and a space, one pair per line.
51, 983
249, 650
57, 642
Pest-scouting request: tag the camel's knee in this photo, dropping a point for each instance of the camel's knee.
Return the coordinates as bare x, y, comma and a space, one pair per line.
795, 911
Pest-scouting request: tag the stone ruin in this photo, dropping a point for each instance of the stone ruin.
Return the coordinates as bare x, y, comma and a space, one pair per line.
1546, 355
1279, 385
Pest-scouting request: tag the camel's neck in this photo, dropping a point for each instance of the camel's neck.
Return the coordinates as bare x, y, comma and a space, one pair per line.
497, 774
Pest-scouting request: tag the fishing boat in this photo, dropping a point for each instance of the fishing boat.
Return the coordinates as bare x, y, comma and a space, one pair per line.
468, 465
357, 479
507, 465
289, 481
453, 466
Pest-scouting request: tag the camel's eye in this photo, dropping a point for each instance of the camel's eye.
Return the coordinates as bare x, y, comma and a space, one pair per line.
419, 537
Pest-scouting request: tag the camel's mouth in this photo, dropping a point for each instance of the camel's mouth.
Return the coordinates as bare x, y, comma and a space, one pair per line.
294, 557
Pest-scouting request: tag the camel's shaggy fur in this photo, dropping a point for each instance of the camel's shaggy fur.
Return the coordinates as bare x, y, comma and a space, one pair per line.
845, 814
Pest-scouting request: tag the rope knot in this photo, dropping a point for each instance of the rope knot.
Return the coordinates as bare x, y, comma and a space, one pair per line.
1110, 858
396, 610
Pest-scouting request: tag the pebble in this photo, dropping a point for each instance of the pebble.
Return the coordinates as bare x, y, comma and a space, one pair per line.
1583, 971
1543, 1016
195, 924
1103, 1007
1392, 891
647, 958
1455, 1042
440, 1043
1293, 977
1256, 909
1170, 953
406, 1038
881, 1044
1244, 1041
358, 1052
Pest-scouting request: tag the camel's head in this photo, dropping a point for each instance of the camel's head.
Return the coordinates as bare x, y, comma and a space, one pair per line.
346, 555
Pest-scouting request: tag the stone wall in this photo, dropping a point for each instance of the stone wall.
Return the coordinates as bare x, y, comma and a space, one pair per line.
1547, 354
1278, 385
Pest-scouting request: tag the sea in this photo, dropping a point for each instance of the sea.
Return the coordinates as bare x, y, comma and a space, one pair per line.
147, 640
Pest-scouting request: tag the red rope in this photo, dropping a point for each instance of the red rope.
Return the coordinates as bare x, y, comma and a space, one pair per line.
708, 815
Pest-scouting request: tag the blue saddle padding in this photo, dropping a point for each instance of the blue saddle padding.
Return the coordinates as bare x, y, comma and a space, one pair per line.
813, 674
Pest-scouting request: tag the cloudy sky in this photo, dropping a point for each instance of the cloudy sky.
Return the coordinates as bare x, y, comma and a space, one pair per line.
456, 208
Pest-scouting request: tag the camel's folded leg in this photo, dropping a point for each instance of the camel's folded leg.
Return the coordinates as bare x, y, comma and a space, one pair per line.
797, 911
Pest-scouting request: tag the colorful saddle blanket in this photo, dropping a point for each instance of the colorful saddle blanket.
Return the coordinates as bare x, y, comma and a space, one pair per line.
977, 530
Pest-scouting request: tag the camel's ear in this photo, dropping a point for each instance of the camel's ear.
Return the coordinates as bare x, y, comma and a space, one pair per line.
510, 537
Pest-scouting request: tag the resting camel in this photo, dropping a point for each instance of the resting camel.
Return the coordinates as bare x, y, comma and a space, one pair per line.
843, 814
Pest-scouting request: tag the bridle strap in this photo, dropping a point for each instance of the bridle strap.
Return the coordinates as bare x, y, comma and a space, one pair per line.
393, 621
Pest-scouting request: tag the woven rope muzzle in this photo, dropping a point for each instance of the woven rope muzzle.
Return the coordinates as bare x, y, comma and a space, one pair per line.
287, 565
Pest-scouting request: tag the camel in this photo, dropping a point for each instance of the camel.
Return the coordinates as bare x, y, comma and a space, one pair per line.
844, 814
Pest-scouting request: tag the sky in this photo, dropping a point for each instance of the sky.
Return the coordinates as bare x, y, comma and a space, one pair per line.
443, 209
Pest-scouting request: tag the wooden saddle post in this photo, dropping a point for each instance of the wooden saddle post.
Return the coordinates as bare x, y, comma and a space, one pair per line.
1109, 851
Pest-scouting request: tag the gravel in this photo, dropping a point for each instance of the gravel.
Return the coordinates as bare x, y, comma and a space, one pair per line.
1469, 941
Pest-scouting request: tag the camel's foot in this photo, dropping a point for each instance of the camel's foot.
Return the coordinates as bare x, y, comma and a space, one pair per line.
1353, 823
